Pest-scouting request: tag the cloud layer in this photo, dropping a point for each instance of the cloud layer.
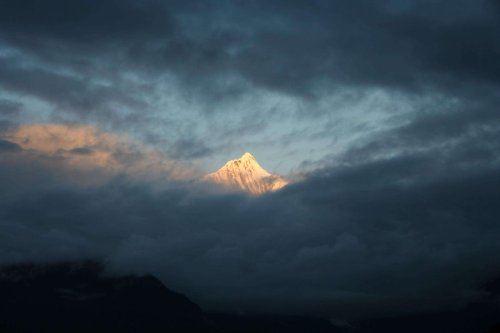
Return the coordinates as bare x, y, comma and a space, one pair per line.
349, 240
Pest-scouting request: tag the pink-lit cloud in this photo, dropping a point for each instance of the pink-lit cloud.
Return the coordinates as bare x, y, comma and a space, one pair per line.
76, 151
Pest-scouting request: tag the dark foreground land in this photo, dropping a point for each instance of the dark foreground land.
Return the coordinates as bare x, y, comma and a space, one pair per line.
78, 297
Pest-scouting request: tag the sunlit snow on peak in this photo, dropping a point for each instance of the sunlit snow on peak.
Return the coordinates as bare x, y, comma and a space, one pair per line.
247, 175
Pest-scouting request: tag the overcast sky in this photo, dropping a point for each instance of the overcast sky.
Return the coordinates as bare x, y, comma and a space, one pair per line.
385, 112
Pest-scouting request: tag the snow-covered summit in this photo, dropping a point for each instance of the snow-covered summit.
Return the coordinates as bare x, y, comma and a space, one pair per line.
247, 175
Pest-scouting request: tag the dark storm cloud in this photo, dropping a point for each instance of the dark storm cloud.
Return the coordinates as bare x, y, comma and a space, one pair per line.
7, 146
294, 47
90, 37
83, 22
414, 229
64, 91
297, 47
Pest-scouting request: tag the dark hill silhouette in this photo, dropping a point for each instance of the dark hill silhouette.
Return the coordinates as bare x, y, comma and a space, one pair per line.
76, 297
230, 323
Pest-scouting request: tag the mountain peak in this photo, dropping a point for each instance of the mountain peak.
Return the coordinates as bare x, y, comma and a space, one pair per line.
246, 156
247, 175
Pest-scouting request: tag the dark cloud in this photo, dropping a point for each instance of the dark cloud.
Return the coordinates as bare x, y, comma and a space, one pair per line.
82, 151
64, 91
410, 230
7, 146
83, 22
297, 49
